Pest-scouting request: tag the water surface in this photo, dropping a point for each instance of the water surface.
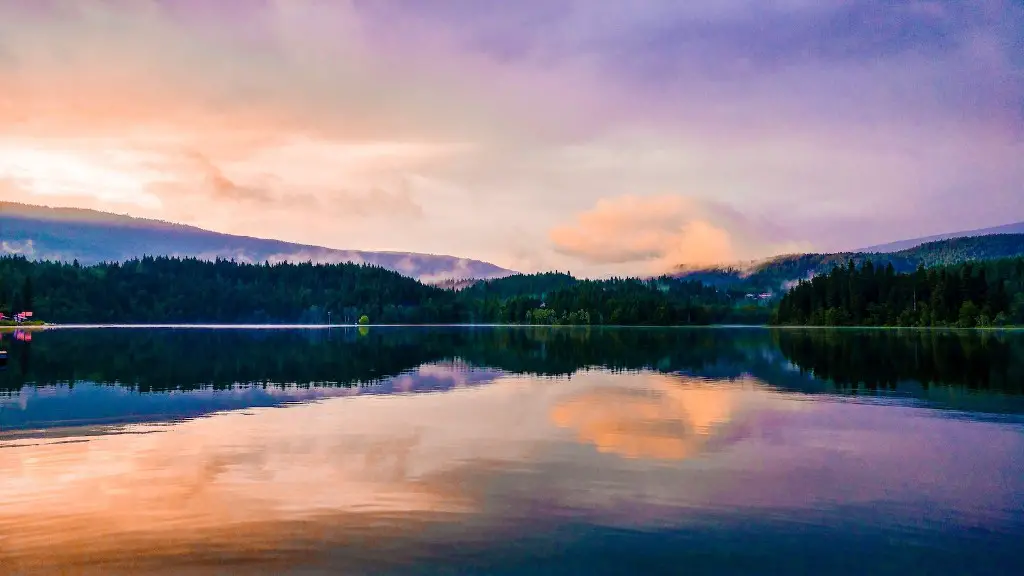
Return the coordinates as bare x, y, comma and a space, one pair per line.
512, 451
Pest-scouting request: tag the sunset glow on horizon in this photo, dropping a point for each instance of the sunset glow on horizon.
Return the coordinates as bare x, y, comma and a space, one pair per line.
598, 136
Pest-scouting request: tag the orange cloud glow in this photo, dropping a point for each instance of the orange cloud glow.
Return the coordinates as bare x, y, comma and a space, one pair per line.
664, 231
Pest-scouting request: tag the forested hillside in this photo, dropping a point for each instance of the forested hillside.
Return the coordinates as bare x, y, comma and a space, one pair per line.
554, 298
521, 285
959, 250
173, 290
965, 295
777, 274
1015, 228
189, 290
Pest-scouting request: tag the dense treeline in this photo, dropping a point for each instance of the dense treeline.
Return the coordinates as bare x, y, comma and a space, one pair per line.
661, 301
176, 290
520, 285
966, 295
172, 290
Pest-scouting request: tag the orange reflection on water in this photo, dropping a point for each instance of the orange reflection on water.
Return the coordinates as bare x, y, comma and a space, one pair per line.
245, 482
666, 419
287, 484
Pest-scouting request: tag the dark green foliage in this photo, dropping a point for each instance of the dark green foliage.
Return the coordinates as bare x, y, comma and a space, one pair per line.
973, 294
172, 290
536, 285
27, 301
554, 298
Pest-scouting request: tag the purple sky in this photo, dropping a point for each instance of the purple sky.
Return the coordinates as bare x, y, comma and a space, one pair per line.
594, 135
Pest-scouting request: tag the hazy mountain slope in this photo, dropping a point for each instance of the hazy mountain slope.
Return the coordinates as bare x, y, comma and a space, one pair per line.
90, 236
1017, 228
963, 249
777, 274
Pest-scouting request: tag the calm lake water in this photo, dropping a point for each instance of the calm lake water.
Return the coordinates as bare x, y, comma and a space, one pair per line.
512, 451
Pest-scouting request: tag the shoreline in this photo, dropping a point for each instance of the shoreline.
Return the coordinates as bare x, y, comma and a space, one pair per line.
209, 326
928, 328
206, 326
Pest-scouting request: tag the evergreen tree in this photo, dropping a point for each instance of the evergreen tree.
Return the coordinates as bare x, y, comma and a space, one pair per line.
966, 295
27, 299
173, 290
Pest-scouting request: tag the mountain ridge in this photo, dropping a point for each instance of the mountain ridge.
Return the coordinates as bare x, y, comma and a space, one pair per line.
898, 245
779, 273
91, 236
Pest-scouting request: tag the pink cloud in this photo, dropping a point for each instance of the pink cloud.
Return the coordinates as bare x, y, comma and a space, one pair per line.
662, 231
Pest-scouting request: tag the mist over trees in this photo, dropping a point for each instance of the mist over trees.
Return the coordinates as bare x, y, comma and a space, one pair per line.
172, 290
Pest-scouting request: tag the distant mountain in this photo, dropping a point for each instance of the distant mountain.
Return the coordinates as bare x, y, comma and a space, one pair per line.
90, 236
1017, 228
778, 274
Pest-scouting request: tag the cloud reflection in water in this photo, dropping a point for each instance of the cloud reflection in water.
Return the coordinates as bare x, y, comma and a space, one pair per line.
384, 478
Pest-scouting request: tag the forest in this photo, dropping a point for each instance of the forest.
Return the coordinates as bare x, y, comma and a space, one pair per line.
774, 274
560, 299
176, 290
189, 290
967, 295
173, 290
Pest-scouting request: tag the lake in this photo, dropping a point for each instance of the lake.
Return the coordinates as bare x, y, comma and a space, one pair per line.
391, 450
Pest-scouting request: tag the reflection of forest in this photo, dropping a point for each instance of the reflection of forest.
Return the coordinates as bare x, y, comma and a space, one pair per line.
152, 360
879, 359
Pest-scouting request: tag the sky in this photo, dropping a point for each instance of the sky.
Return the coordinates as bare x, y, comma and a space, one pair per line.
595, 136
